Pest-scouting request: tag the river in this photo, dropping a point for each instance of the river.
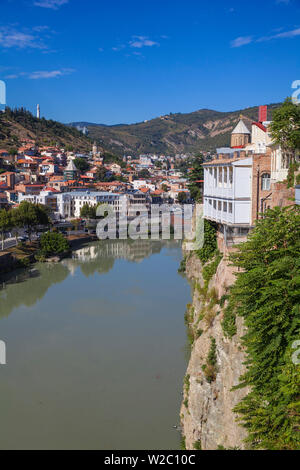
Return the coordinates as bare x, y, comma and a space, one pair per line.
96, 350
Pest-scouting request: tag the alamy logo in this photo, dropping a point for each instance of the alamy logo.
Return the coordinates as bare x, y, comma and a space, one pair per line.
2, 353
296, 94
2, 93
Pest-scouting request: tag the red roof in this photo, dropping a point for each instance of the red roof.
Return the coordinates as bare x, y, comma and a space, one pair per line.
261, 126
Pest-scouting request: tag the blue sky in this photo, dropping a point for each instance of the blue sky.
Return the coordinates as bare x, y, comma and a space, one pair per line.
127, 61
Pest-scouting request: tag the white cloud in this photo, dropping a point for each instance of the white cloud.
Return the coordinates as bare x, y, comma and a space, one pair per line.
288, 34
244, 40
51, 4
241, 41
42, 74
14, 36
142, 41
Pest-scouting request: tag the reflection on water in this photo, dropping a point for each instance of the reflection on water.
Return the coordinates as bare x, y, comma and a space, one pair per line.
96, 349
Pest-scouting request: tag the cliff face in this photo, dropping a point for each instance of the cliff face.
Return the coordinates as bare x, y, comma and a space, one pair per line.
215, 365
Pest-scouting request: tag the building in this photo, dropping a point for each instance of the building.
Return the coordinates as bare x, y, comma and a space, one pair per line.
71, 172
47, 198
70, 204
240, 136
237, 184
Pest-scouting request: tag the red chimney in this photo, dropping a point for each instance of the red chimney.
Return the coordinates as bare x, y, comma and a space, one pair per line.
263, 114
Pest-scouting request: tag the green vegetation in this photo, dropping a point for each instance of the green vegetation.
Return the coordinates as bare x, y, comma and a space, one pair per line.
81, 164
182, 266
196, 175
88, 212
210, 242
203, 130
210, 269
53, 243
182, 197
267, 295
229, 321
292, 179
210, 368
197, 445
182, 443
285, 128
27, 216
19, 124
187, 383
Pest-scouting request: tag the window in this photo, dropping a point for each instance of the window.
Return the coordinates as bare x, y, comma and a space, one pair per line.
265, 182
230, 176
230, 208
215, 177
224, 206
225, 177
220, 177
219, 206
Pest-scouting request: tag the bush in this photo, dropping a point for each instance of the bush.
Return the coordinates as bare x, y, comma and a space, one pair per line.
267, 296
53, 244
210, 242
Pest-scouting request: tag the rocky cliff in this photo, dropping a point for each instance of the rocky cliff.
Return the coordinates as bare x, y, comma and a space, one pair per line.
215, 365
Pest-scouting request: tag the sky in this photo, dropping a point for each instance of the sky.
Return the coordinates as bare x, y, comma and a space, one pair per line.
127, 61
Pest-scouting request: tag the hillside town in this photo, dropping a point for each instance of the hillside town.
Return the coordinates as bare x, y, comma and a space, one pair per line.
54, 176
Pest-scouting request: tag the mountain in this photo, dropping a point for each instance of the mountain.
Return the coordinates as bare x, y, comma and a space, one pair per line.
18, 125
202, 130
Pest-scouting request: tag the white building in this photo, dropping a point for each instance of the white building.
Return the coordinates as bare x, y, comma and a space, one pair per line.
228, 191
260, 138
46, 198
137, 184
280, 163
70, 204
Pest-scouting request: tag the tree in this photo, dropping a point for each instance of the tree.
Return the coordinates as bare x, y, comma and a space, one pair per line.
165, 188
267, 295
196, 175
88, 212
182, 197
285, 128
144, 174
5, 224
81, 164
53, 243
30, 215
101, 174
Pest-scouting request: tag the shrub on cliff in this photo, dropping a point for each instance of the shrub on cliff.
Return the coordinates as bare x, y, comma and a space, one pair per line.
210, 242
267, 295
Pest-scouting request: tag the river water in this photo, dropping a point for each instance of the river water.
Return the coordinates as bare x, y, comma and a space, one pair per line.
96, 350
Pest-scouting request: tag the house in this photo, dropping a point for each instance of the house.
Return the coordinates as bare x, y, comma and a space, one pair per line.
8, 178
237, 187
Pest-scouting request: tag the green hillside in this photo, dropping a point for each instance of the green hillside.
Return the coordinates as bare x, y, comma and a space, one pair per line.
175, 133
18, 125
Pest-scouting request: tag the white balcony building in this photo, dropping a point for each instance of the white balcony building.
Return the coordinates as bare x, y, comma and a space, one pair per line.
228, 191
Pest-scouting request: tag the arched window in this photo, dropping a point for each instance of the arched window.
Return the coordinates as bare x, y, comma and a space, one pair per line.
266, 182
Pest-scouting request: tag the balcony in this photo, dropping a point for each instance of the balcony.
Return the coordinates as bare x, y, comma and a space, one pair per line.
227, 212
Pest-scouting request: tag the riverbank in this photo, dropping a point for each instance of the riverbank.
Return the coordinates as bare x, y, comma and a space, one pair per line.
24, 254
